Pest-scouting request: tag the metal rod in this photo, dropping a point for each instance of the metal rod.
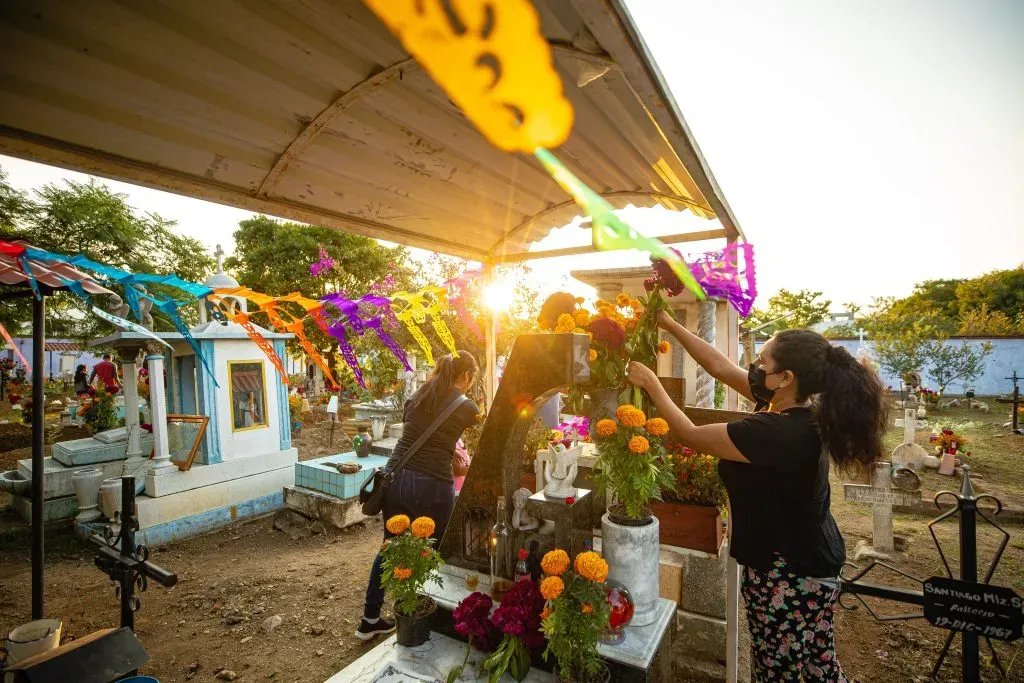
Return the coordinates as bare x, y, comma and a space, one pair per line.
969, 572
38, 412
127, 575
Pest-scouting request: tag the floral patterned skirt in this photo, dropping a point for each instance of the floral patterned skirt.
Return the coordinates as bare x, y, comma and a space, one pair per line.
790, 619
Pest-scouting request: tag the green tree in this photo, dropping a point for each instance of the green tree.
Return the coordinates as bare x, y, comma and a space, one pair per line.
947, 362
1000, 291
983, 322
87, 218
797, 310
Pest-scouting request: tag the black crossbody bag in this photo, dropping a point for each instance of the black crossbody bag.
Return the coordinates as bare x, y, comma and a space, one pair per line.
374, 489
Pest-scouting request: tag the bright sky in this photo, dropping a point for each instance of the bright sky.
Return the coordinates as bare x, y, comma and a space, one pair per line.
864, 146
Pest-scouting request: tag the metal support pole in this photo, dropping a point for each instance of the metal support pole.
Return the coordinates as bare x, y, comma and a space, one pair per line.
38, 412
969, 572
490, 345
127, 573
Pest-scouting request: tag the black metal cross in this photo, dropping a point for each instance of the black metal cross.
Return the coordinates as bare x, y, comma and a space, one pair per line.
983, 610
1016, 401
127, 563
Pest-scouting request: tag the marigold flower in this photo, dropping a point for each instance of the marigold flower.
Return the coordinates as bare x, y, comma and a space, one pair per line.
657, 426
566, 320
634, 417
422, 527
551, 587
636, 305
587, 608
579, 299
402, 573
555, 562
664, 346
581, 317
425, 552
591, 566
639, 445
621, 411
606, 427
398, 524
622, 299
592, 356
545, 613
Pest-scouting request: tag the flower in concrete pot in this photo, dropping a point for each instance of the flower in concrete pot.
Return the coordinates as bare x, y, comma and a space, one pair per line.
576, 614
409, 561
631, 460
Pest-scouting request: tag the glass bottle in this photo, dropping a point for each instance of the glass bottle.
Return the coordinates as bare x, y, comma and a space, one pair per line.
522, 570
497, 547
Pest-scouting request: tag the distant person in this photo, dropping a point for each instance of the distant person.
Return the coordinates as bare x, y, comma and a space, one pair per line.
425, 486
107, 372
81, 381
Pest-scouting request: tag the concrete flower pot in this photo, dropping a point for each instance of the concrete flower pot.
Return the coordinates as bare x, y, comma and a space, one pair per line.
110, 497
87, 489
632, 553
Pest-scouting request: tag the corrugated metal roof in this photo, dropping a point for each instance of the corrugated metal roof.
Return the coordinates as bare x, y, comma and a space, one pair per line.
311, 110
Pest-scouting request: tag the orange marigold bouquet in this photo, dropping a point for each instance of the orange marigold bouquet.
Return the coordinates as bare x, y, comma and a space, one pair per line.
632, 460
409, 560
576, 613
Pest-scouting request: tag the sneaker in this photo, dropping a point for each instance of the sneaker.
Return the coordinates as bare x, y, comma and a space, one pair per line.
366, 630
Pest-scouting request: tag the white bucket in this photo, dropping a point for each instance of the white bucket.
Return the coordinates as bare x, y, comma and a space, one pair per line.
32, 639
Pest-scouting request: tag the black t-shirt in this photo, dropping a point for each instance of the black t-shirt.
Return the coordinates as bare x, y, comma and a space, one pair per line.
435, 456
780, 501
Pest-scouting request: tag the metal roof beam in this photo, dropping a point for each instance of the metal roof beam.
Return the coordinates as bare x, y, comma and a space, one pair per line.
590, 249
46, 150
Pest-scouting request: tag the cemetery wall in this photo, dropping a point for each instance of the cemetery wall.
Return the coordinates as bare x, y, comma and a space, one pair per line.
1007, 356
51, 359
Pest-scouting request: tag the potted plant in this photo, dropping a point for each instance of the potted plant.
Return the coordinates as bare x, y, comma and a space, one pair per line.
97, 411
516, 622
576, 615
409, 560
689, 513
631, 464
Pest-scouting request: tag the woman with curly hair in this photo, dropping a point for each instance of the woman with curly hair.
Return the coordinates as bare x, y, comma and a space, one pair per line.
424, 487
814, 402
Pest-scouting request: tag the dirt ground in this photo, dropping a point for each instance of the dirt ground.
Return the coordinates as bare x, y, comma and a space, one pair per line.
233, 581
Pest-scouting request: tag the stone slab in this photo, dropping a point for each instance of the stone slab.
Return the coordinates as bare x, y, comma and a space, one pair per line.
57, 477
90, 451
318, 476
210, 520
703, 590
327, 508
173, 480
180, 506
636, 651
384, 446
427, 663
113, 435
862, 493
54, 509
700, 636
672, 569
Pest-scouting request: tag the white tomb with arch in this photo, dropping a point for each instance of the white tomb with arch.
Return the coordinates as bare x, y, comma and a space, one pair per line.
245, 458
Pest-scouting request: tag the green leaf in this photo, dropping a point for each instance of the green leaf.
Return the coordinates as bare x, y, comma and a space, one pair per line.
454, 674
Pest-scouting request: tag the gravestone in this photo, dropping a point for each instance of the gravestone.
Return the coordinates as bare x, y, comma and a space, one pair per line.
882, 496
539, 366
910, 424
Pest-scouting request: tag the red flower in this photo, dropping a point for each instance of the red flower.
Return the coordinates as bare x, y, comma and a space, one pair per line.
569, 500
523, 554
607, 332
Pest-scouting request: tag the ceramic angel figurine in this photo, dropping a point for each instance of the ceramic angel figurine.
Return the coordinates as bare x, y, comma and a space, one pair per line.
560, 470
521, 519
117, 306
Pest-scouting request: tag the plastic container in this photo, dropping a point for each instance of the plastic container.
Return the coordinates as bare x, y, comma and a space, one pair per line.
33, 638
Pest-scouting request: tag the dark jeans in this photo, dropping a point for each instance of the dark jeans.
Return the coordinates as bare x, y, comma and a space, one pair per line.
417, 495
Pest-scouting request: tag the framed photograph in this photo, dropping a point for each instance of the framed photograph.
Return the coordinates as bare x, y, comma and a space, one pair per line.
247, 389
184, 434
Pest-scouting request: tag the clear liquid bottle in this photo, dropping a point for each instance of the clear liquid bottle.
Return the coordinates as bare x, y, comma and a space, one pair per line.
497, 547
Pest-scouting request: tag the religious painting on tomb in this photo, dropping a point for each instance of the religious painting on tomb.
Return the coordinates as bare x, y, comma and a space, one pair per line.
247, 384
184, 434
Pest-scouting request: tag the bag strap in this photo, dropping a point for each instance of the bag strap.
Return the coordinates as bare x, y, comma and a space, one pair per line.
389, 476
